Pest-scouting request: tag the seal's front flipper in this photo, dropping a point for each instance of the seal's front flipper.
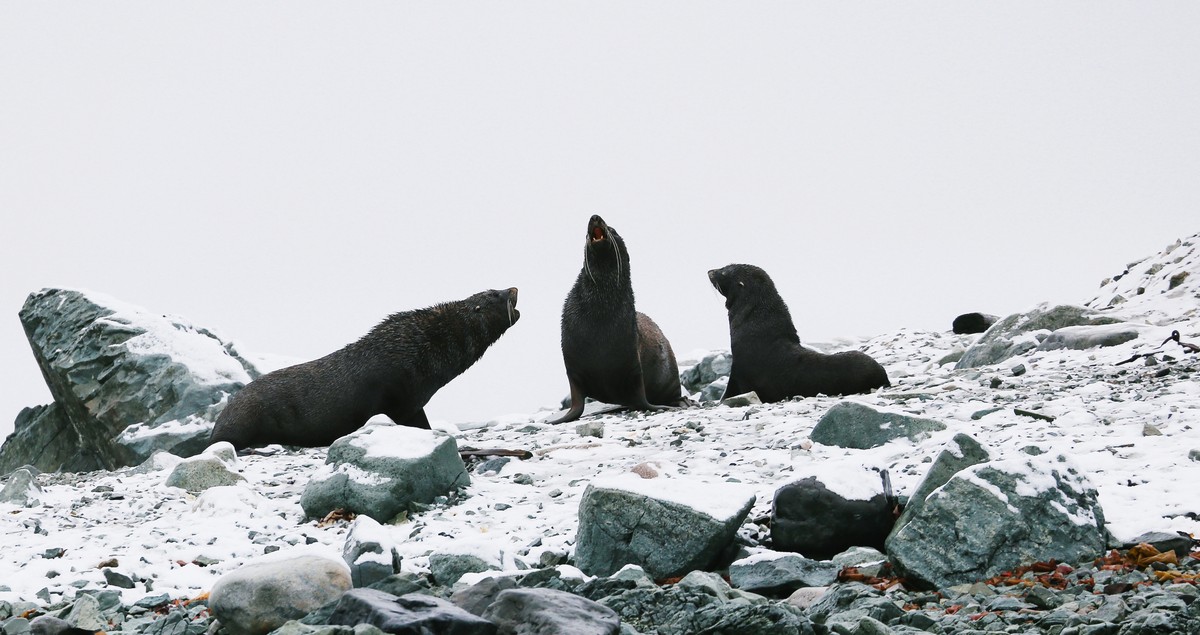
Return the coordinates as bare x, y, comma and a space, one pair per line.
412, 419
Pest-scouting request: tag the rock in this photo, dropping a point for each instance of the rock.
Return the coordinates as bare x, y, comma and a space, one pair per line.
258, 598
678, 610
1013, 335
742, 400
846, 604
773, 573
698, 377
1194, 455
971, 323
809, 518
382, 470
447, 568
849, 424
804, 597
213, 468
1021, 510
413, 613
962, 452
125, 382
1080, 338
85, 614
550, 612
370, 552
476, 598
16, 626
666, 526
1149, 430
1019, 370
21, 489
118, 579
590, 429
1163, 541
50, 625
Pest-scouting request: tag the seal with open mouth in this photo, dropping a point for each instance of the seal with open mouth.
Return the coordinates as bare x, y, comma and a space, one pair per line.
393, 370
613, 353
767, 356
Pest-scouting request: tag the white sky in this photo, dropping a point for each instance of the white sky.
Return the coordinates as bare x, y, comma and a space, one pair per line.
290, 173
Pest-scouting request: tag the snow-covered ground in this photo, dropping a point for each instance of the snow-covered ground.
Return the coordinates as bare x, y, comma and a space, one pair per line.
1130, 426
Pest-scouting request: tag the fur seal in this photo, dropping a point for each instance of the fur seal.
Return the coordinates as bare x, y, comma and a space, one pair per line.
767, 355
394, 370
613, 353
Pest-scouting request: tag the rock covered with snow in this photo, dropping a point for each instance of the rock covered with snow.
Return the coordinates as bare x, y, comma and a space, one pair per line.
370, 552
215, 467
773, 572
994, 516
381, 470
21, 489
667, 526
706, 377
258, 598
851, 424
961, 452
820, 515
1162, 289
1022, 332
125, 382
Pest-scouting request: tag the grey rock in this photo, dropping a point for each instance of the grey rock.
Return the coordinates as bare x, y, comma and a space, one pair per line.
50, 625
550, 612
21, 489
742, 400
380, 485
850, 424
706, 582
106, 599
809, 518
846, 604
1019, 370
590, 429
1163, 541
202, 472
370, 552
1194, 454
402, 583
447, 568
85, 614
115, 578
476, 598
619, 526
962, 452
121, 390
782, 574
17, 626
260, 597
995, 516
712, 367
1042, 598
676, 610
416, 614
1080, 338
1012, 335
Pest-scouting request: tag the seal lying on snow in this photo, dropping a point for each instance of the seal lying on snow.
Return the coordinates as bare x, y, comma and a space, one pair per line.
767, 355
613, 353
393, 370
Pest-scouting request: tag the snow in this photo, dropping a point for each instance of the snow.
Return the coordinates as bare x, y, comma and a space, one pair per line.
709, 457
398, 442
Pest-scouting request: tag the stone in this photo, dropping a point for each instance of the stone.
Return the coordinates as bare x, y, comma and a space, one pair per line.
447, 568
712, 367
125, 382
1163, 541
668, 527
677, 610
85, 614
809, 518
50, 625
742, 400
995, 516
850, 424
213, 468
115, 578
590, 429
383, 470
1014, 335
260, 597
971, 323
1078, 338
414, 613
773, 573
550, 612
370, 552
476, 598
962, 452
21, 489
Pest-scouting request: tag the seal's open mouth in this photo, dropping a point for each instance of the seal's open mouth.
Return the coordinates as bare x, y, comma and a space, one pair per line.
513, 313
597, 230
712, 277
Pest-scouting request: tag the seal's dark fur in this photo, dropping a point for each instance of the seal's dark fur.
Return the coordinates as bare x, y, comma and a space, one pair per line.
393, 370
613, 353
767, 356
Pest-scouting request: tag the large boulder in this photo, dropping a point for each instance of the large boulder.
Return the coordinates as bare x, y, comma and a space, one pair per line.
413, 613
962, 452
995, 516
125, 382
21, 489
381, 470
260, 597
820, 517
666, 526
1019, 333
697, 605
550, 612
772, 573
1079, 338
850, 424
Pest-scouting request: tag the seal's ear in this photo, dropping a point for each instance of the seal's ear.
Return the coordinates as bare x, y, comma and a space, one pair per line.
478, 308
740, 283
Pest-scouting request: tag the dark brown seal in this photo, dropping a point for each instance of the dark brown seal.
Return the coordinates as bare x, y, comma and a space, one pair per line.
767, 356
393, 370
613, 353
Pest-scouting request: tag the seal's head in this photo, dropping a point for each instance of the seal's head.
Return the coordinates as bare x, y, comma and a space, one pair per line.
495, 310
737, 282
604, 250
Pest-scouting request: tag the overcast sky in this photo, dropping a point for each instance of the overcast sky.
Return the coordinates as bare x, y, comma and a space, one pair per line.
288, 174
